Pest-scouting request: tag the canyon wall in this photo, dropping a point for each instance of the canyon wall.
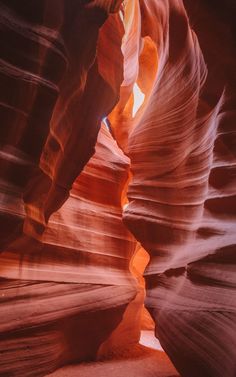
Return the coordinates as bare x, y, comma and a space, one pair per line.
160, 77
63, 296
182, 194
65, 282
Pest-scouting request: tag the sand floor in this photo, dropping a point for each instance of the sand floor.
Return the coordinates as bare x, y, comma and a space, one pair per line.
144, 360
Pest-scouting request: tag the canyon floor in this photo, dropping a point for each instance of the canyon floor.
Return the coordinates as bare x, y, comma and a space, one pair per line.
146, 359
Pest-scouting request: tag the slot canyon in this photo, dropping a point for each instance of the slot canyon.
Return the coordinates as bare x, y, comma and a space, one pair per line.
118, 188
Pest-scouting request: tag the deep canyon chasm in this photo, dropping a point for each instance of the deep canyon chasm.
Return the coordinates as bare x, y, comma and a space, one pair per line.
117, 183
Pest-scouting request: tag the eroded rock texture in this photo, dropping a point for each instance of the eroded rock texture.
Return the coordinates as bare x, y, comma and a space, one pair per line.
182, 194
65, 285
70, 291
65, 258
52, 118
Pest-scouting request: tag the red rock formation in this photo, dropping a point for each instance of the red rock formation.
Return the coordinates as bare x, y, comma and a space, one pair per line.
51, 122
63, 290
70, 291
182, 194
179, 56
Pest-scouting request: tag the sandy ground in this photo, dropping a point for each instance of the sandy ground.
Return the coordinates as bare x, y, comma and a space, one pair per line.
144, 360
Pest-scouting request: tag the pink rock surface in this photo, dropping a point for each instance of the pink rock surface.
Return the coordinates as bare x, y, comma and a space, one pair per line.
65, 285
70, 290
52, 121
182, 193
138, 361
161, 75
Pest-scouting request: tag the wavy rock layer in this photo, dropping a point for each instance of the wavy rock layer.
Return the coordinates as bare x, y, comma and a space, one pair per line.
52, 120
182, 194
65, 285
70, 291
65, 269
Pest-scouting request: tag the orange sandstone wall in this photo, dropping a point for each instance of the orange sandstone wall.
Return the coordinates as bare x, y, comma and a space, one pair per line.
163, 71
181, 209
65, 285
70, 290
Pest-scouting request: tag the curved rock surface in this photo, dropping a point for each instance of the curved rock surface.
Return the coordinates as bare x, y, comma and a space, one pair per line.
169, 65
70, 291
65, 285
52, 120
182, 194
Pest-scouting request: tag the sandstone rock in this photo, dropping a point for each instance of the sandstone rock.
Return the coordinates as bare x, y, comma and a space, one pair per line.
161, 74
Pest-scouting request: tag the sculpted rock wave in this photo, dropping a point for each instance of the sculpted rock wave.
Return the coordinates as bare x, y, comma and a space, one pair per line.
160, 77
182, 192
65, 283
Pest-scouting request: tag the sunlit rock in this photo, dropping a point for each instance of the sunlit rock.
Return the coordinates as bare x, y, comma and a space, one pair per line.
159, 75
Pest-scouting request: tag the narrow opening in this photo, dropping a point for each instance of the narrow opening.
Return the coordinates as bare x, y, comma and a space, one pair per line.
138, 265
138, 99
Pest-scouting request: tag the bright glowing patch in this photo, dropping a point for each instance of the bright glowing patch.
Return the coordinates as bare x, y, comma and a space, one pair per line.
125, 206
138, 99
121, 16
106, 122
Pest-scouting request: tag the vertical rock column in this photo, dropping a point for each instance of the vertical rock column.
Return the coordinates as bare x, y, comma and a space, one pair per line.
64, 285
182, 194
71, 291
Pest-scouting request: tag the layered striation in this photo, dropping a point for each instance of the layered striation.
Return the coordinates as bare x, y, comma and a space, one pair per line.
182, 192
65, 281
52, 118
160, 77
71, 290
